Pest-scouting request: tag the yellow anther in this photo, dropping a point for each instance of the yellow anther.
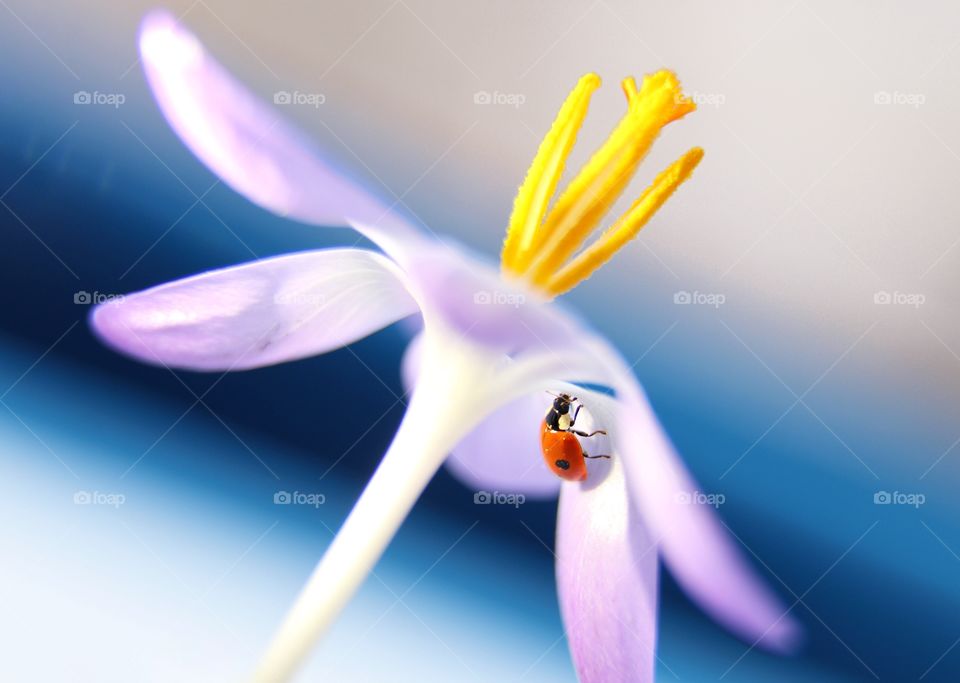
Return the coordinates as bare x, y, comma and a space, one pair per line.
629, 85
627, 226
538, 243
530, 205
602, 180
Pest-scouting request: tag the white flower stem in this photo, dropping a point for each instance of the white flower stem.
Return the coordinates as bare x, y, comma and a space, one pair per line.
443, 408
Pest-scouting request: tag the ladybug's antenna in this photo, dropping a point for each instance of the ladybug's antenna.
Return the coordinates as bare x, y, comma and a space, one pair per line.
568, 399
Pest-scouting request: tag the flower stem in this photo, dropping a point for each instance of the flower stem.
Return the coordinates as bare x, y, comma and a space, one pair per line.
442, 410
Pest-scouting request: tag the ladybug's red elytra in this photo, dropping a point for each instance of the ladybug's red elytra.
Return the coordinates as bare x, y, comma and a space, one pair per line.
558, 440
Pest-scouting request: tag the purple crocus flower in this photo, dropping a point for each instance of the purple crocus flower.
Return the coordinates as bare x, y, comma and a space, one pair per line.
493, 344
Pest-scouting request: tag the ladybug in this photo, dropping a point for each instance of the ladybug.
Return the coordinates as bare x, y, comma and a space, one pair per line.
558, 440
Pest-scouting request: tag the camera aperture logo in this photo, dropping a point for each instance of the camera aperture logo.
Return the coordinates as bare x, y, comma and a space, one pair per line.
914, 500
108, 99
699, 498
84, 298
299, 498
499, 498
110, 499
310, 99
898, 298
696, 298
909, 99
508, 99
495, 298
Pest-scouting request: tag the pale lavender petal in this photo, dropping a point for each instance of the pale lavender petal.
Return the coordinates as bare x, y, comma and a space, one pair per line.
606, 579
503, 452
699, 551
455, 288
259, 313
243, 140
468, 295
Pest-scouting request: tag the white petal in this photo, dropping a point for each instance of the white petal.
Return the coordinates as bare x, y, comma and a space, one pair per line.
443, 408
458, 385
502, 453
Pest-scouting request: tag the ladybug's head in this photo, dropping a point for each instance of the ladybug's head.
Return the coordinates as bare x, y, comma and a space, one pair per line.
562, 403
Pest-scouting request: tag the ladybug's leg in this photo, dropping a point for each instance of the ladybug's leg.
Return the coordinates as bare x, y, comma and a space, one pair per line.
573, 419
579, 433
596, 456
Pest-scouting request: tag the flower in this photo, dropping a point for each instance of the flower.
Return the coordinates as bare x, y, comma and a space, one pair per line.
492, 344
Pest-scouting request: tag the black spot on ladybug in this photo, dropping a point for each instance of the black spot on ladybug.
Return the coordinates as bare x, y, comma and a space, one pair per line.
563, 464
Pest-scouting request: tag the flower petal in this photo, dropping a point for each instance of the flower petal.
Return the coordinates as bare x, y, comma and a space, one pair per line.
243, 140
502, 453
696, 547
469, 296
606, 579
260, 156
259, 313
456, 389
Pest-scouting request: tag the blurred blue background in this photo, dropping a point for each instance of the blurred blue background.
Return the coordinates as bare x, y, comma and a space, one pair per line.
141, 540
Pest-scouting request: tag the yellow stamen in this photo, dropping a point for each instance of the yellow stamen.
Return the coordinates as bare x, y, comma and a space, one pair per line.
627, 226
538, 242
590, 195
530, 205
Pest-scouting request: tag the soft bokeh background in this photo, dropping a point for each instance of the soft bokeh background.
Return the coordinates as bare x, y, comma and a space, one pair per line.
140, 539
